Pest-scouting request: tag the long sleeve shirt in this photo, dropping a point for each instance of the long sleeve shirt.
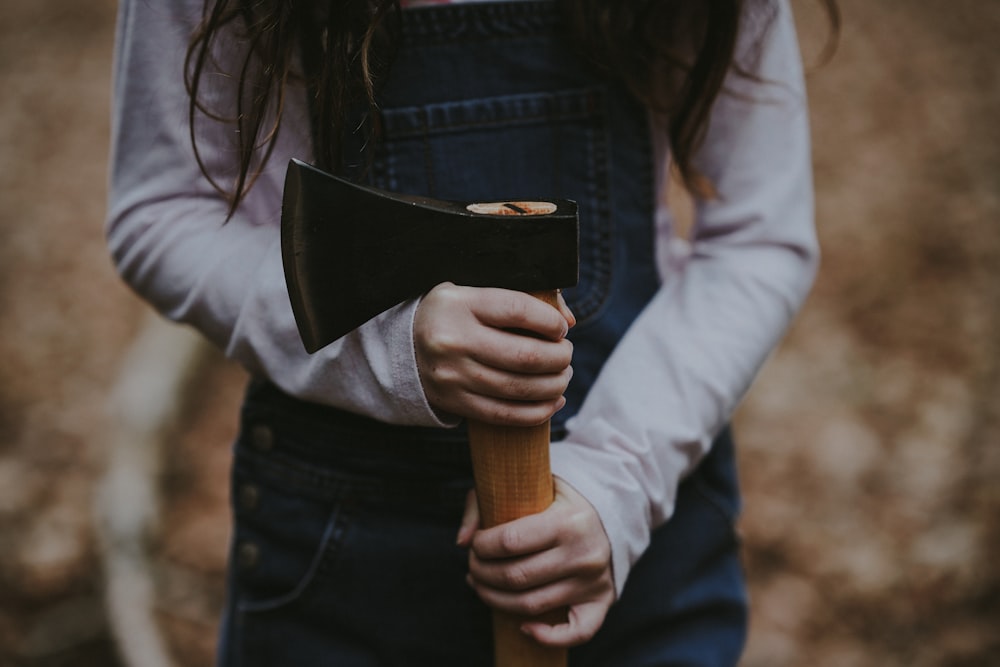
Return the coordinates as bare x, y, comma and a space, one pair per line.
673, 381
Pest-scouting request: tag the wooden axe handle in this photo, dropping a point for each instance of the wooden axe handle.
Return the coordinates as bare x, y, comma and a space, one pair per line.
514, 479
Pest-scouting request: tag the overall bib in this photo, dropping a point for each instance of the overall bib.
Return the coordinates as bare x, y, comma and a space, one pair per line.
344, 543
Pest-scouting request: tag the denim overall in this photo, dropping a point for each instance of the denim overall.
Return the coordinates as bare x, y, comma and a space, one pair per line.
344, 545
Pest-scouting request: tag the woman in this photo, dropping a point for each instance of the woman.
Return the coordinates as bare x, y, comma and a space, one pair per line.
351, 470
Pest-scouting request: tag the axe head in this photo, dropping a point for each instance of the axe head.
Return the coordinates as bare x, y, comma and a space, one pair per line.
351, 252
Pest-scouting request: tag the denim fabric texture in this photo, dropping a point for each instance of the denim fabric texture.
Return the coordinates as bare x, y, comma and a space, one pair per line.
344, 542
490, 101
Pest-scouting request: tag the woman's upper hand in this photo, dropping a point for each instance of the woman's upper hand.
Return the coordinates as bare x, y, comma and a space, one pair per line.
493, 355
557, 559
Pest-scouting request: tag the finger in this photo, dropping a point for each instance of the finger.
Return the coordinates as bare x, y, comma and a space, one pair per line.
520, 537
470, 405
583, 622
505, 413
494, 348
470, 520
507, 386
534, 602
570, 520
518, 353
510, 309
588, 570
521, 574
454, 380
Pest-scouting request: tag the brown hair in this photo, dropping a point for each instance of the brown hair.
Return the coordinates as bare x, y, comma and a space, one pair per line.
673, 55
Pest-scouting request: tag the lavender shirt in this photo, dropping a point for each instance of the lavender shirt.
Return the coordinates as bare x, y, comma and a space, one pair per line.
726, 298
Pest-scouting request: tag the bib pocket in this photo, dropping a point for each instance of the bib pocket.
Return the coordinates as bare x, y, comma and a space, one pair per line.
533, 146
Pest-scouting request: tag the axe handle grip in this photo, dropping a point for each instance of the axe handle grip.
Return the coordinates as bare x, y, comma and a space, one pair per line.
513, 479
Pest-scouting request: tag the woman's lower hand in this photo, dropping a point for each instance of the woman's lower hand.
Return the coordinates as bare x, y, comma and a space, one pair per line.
494, 355
557, 559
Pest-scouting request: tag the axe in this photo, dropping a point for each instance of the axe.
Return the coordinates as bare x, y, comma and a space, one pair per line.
351, 252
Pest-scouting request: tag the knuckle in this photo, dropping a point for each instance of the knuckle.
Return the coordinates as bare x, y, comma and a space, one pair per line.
510, 541
594, 565
445, 376
439, 342
515, 307
527, 356
447, 291
534, 605
517, 389
577, 523
515, 578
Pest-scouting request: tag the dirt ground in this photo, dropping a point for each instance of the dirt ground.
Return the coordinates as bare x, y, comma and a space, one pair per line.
870, 447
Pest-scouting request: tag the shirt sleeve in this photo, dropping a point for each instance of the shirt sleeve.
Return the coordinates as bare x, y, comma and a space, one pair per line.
678, 374
170, 239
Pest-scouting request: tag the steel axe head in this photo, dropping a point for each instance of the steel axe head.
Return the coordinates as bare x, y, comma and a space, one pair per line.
351, 252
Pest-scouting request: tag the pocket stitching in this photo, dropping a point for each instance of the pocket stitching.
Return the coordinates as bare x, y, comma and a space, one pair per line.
307, 578
587, 106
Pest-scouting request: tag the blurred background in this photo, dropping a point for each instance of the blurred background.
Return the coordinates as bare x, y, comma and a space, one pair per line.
870, 447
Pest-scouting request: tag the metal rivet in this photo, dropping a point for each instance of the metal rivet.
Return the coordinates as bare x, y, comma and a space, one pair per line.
262, 437
249, 496
247, 555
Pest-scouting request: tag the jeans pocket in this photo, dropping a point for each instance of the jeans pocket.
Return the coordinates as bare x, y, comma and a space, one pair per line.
325, 583
281, 544
525, 146
285, 546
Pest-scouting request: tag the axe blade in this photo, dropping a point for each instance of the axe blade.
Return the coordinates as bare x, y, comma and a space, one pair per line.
351, 252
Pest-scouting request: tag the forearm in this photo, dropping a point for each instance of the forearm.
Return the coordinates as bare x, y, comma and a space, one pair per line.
170, 238
684, 365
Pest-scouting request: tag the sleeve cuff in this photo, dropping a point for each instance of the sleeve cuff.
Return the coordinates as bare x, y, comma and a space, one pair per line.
618, 501
406, 375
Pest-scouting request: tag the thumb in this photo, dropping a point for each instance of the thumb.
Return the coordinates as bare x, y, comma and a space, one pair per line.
470, 520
